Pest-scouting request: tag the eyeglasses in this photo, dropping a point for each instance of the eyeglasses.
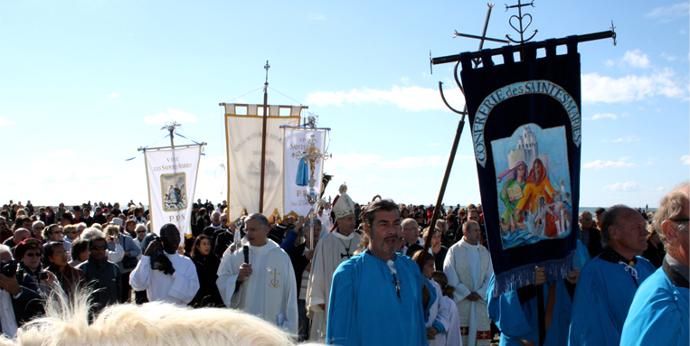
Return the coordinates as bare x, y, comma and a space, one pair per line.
680, 219
32, 254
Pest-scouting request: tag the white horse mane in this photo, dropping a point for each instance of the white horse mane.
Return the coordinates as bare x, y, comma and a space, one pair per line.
157, 323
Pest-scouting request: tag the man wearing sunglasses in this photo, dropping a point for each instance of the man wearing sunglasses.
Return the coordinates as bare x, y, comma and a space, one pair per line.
659, 312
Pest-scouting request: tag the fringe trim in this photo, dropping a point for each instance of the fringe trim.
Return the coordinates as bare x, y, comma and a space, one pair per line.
555, 269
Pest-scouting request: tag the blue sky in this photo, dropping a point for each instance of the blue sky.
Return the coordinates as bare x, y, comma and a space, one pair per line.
85, 83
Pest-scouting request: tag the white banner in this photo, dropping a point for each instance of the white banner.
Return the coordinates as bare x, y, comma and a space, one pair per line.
171, 176
243, 128
301, 144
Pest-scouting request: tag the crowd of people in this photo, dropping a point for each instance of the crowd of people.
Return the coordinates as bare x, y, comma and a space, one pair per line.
355, 275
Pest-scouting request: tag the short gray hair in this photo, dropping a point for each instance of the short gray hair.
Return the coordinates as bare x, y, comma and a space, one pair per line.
258, 217
5, 248
670, 206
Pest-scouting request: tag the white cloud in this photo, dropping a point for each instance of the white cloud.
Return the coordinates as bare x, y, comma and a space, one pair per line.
623, 162
685, 159
626, 139
317, 17
670, 12
668, 57
602, 116
598, 88
4, 122
410, 98
114, 95
170, 115
625, 186
635, 58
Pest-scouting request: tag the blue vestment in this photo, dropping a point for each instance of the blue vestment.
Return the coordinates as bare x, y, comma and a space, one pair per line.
515, 313
302, 178
659, 312
603, 295
366, 309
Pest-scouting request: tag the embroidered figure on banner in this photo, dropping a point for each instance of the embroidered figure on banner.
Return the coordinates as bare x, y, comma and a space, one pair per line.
174, 191
534, 185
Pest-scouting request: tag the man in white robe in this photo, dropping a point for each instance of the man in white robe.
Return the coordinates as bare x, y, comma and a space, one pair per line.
263, 286
177, 281
333, 249
468, 268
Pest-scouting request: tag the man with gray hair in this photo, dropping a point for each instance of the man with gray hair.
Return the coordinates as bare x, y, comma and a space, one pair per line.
659, 312
259, 279
19, 235
608, 282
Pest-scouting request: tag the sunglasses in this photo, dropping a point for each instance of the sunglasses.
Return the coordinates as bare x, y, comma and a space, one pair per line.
680, 219
99, 247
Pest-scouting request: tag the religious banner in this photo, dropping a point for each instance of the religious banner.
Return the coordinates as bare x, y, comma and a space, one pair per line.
526, 130
243, 133
171, 175
304, 149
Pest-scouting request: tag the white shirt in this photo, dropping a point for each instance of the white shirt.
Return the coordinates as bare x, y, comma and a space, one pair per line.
178, 288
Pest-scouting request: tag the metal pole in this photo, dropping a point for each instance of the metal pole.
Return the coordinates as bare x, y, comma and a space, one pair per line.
263, 141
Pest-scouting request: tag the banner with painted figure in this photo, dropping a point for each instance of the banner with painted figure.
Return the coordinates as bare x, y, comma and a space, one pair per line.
243, 133
304, 149
526, 130
171, 175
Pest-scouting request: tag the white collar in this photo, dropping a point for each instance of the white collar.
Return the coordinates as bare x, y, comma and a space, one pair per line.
343, 237
464, 243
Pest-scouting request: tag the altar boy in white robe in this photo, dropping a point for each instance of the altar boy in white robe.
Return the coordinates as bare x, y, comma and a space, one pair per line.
263, 284
334, 248
468, 268
163, 273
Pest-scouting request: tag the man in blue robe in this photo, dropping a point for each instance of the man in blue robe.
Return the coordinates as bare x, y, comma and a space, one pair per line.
515, 312
376, 296
608, 282
659, 312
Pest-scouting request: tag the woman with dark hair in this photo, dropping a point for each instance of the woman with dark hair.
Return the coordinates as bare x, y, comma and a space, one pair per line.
206, 269
79, 253
29, 253
55, 260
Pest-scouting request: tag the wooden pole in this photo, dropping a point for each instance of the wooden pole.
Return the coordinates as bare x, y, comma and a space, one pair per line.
263, 141
442, 191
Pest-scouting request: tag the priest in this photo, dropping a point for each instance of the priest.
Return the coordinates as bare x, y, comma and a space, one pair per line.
259, 279
468, 268
163, 273
333, 249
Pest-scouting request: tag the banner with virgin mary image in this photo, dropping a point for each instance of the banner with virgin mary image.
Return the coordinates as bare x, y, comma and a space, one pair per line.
526, 131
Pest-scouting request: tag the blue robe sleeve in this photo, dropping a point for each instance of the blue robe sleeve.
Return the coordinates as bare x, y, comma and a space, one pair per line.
591, 323
506, 312
340, 326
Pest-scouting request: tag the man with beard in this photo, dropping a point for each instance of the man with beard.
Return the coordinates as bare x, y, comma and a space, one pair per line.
259, 278
376, 298
335, 248
608, 282
163, 272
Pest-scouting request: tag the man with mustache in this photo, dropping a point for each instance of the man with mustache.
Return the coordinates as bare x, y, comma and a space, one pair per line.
376, 296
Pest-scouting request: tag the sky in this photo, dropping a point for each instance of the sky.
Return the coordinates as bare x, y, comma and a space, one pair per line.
84, 83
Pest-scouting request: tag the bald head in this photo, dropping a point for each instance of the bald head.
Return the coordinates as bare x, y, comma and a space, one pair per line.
470, 231
21, 234
410, 229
